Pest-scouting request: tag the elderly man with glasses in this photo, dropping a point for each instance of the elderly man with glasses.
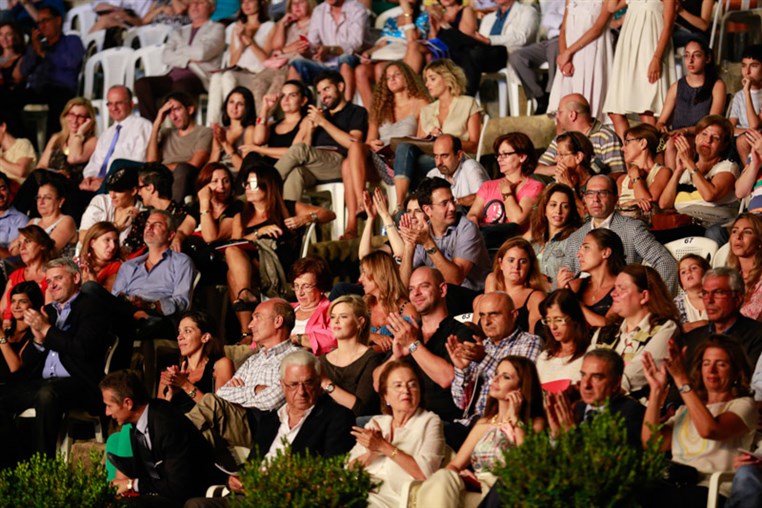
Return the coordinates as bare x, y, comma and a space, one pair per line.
640, 246
722, 290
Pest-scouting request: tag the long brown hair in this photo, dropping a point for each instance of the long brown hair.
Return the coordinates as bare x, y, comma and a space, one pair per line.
535, 279
568, 304
531, 390
382, 109
539, 219
271, 183
383, 271
733, 262
93, 233
660, 303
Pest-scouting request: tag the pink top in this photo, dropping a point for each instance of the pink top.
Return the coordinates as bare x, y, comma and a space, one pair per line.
752, 308
494, 209
318, 328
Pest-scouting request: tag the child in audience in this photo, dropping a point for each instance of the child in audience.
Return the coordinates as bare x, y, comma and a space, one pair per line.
744, 109
699, 93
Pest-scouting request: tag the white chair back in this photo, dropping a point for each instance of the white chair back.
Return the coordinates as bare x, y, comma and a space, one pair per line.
721, 256
80, 19
381, 19
704, 247
147, 35
113, 63
149, 59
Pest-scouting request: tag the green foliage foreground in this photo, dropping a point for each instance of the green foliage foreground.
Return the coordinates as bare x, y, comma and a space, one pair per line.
304, 481
44, 482
591, 465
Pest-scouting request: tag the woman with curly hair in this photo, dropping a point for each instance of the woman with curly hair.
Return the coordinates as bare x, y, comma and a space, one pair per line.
398, 99
551, 223
746, 257
398, 42
517, 273
451, 113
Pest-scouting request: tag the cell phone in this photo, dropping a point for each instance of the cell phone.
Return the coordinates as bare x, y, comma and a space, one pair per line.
753, 454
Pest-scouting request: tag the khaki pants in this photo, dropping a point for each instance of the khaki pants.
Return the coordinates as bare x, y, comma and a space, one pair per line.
445, 489
305, 166
222, 423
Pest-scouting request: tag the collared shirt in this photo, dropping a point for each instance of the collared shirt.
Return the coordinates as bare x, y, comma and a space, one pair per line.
468, 177
60, 67
10, 222
519, 28
607, 147
53, 367
500, 17
169, 282
517, 344
142, 426
132, 144
260, 369
462, 240
284, 431
605, 224
351, 33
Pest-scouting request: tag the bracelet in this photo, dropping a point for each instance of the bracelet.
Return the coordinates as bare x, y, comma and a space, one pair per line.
192, 393
390, 226
204, 213
636, 179
314, 217
256, 234
394, 452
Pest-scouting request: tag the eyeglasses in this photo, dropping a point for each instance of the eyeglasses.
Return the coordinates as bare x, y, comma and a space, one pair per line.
504, 155
559, 154
75, 116
298, 288
717, 293
253, 184
598, 193
447, 202
627, 140
560, 321
308, 385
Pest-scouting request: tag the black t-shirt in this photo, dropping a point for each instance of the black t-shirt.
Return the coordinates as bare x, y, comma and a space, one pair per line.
435, 398
350, 118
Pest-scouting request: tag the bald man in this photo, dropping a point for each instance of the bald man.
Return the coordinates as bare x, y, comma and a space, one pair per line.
573, 114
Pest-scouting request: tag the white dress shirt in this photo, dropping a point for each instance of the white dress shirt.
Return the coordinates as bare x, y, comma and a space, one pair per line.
132, 144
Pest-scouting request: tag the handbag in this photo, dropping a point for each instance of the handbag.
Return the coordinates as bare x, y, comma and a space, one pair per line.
681, 475
670, 220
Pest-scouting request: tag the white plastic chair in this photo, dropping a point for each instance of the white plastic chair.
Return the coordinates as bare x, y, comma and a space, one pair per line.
381, 19
80, 19
721, 256
149, 57
147, 35
480, 147
464, 318
508, 93
715, 481
704, 247
97, 39
336, 190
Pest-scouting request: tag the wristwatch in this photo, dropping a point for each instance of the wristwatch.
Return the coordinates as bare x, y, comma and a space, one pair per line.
431, 251
329, 388
685, 388
130, 484
3, 340
412, 348
192, 393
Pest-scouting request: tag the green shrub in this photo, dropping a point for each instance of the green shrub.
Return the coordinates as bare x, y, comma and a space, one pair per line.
591, 465
304, 481
44, 482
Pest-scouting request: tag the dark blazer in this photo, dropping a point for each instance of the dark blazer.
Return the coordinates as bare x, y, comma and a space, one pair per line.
326, 431
82, 346
631, 410
184, 461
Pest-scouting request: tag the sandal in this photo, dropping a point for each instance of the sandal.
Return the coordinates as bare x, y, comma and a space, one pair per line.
245, 305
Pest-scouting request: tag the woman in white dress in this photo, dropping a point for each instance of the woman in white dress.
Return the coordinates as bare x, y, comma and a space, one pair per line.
585, 54
644, 63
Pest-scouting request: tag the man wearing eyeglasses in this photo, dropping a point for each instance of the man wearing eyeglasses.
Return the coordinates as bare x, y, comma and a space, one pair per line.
640, 246
222, 417
722, 290
51, 66
309, 422
127, 138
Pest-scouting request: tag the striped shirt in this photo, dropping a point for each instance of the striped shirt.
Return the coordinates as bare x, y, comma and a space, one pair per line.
607, 146
517, 344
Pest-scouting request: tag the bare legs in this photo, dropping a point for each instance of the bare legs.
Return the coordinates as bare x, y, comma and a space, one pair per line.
353, 174
621, 124
239, 277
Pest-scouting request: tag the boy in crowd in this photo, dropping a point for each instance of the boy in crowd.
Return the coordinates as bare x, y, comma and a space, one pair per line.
744, 109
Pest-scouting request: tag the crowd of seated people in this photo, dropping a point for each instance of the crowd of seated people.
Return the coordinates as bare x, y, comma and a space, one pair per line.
503, 296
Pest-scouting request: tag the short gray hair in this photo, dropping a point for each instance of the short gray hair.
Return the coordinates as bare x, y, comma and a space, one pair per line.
735, 279
171, 220
67, 263
299, 358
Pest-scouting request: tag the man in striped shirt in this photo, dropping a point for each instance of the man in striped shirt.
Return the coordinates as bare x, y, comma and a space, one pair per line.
573, 114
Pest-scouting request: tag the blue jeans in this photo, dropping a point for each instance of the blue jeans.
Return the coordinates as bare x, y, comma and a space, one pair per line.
747, 488
308, 70
410, 162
